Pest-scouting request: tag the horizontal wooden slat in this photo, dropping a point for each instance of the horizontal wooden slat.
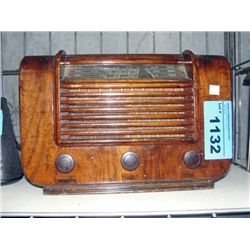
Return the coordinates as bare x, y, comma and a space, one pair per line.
128, 131
125, 94
120, 59
129, 61
113, 124
121, 101
127, 81
134, 116
126, 90
118, 85
129, 109
79, 141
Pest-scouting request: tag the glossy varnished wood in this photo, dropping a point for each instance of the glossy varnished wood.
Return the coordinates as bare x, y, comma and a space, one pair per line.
124, 59
127, 187
98, 164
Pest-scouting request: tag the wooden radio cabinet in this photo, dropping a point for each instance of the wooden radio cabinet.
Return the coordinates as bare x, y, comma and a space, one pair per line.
125, 123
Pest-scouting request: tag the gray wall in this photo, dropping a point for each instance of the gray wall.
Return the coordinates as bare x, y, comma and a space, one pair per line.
0, 137
242, 98
16, 45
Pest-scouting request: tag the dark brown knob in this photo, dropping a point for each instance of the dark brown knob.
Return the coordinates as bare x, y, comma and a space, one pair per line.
64, 163
192, 159
130, 161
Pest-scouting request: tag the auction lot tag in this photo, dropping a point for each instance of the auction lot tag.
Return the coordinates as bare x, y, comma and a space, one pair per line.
218, 130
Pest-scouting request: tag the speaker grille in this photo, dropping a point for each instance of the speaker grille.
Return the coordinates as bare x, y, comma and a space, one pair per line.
119, 111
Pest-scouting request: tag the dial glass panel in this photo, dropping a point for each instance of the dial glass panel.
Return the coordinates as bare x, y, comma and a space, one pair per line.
136, 71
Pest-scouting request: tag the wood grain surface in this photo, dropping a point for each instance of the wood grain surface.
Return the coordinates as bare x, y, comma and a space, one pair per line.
99, 163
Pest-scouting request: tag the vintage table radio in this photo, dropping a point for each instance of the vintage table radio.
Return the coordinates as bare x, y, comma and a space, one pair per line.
125, 123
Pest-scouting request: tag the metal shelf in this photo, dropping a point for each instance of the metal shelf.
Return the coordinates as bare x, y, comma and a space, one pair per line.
230, 197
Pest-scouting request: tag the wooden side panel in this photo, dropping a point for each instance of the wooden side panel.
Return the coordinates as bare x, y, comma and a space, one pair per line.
214, 70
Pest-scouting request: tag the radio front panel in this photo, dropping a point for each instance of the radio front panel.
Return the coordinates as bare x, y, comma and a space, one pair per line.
124, 123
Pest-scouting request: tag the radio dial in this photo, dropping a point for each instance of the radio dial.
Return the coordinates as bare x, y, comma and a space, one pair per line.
64, 163
130, 161
192, 159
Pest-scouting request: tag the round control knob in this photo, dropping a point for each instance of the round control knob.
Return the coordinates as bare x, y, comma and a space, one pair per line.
64, 163
130, 161
192, 159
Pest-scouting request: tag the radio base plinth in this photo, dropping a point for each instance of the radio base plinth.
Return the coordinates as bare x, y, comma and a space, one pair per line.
102, 188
